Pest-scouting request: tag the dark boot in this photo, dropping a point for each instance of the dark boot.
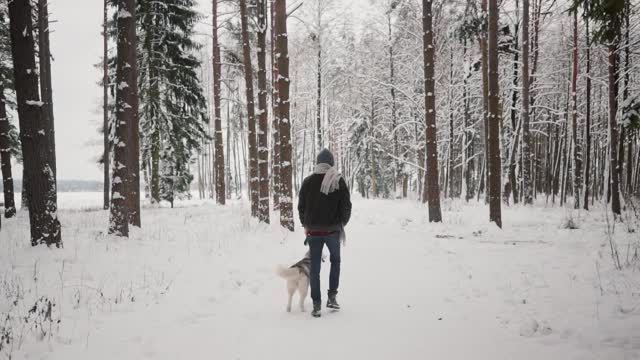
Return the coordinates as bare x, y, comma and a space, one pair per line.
332, 303
316, 310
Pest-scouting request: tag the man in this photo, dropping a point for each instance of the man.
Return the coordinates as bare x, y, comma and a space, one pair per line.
325, 208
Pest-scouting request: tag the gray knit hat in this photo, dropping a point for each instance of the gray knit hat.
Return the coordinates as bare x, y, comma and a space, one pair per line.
325, 157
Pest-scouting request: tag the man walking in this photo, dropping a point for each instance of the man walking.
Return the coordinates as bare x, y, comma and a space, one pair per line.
325, 208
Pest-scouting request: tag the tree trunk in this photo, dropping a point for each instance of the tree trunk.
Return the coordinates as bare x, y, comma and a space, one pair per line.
155, 168
511, 184
217, 121
248, 77
613, 128
431, 179
133, 146
527, 189
263, 113
319, 97
35, 130
625, 96
125, 117
286, 201
275, 158
396, 161
484, 184
587, 125
574, 117
5, 159
494, 162
450, 167
105, 109
44, 57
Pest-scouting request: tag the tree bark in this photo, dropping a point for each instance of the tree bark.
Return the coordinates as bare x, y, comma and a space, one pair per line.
574, 117
613, 127
44, 58
217, 121
263, 114
5, 159
319, 98
126, 94
35, 130
105, 109
484, 184
286, 203
625, 95
494, 161
431, 179
587, 126
526, 137
275, 158
251, 131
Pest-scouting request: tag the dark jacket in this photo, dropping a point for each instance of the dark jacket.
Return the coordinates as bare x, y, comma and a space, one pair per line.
320, 212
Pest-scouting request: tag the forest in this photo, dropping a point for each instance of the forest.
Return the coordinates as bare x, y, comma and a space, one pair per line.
462, 119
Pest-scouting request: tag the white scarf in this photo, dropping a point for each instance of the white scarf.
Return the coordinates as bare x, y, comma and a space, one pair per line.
331, 181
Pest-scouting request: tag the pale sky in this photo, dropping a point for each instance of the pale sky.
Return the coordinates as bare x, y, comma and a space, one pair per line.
76, 44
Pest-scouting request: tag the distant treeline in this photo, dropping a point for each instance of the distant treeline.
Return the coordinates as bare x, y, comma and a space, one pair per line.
65, 186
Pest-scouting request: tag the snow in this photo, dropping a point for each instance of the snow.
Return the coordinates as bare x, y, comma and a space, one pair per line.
199, 281
116, 195
123, 14
35, 103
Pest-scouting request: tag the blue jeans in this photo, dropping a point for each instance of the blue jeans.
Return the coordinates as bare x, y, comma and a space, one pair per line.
316, 244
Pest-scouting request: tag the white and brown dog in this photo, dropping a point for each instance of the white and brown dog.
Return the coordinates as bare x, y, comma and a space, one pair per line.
297, 276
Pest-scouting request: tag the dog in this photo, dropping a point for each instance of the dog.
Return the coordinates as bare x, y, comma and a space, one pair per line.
297, 276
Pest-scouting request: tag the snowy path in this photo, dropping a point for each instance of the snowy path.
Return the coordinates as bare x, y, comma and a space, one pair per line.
409, 290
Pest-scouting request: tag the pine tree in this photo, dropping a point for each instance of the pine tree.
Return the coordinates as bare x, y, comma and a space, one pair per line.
608, 16
44, 57
282, 58
431, 180
494, 158
35, 129
126, 99
173, 111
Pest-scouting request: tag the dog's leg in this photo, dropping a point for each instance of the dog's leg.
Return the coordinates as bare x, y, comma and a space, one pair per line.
291, 288
303, 289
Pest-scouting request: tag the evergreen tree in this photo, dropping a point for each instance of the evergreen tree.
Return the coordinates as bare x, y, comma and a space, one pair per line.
173, 107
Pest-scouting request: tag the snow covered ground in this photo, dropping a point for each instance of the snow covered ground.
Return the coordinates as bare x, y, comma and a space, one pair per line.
198, 282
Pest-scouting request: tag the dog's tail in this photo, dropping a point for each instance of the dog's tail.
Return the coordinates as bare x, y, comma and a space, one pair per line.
287, 272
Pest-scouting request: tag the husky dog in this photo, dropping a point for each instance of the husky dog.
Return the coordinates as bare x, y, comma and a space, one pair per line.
297, 276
